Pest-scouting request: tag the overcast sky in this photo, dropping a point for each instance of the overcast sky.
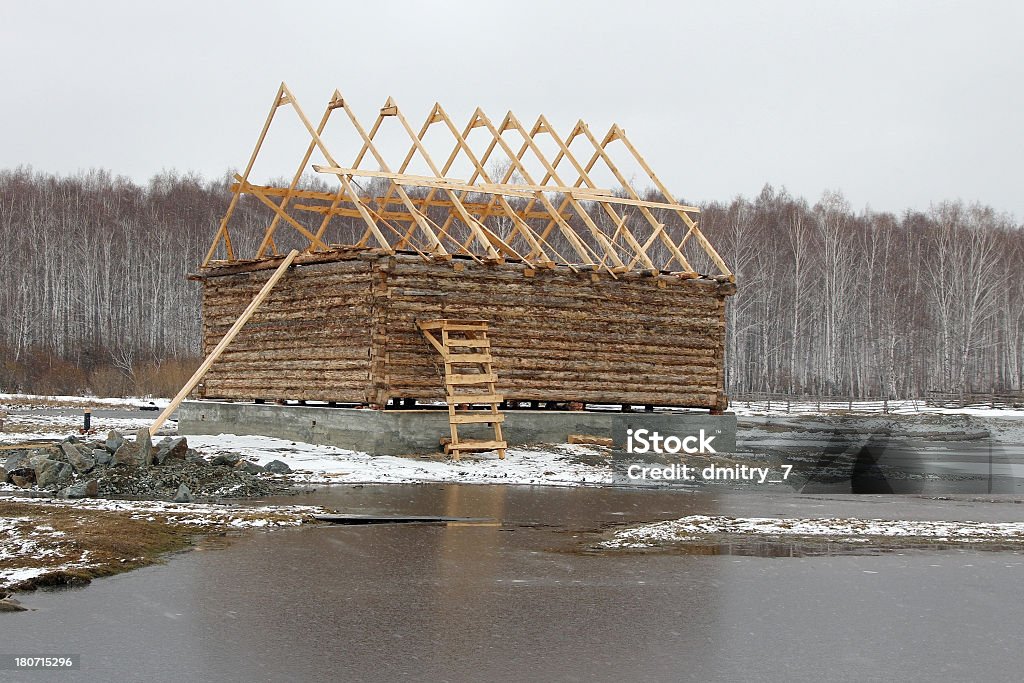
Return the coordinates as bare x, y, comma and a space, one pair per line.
896, 104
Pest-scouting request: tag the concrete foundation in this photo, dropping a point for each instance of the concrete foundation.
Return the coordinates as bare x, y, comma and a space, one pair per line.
403, 432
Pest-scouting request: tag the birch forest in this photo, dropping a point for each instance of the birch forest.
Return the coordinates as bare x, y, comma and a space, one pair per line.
832, 302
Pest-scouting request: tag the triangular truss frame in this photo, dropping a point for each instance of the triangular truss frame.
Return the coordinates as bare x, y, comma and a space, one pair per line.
560, 219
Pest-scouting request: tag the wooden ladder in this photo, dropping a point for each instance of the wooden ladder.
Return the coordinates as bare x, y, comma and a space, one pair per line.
469, 380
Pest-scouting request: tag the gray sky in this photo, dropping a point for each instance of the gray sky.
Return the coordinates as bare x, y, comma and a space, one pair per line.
897, 105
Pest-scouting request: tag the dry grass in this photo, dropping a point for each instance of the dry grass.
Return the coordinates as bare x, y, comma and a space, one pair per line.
76, 541
100, 543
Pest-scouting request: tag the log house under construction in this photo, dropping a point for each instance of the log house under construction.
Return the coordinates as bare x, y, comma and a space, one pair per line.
579, 294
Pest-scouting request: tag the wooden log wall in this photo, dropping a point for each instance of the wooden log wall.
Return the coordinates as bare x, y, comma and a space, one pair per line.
309, 340
346, 331
558, 335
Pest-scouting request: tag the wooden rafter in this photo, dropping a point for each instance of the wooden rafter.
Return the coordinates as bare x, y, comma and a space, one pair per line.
559, 217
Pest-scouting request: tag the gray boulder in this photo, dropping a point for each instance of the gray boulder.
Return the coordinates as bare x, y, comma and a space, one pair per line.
113, 442
129, 455
144, 442
248, 467
83, 489
184, 495
82, 463
101, 456
277, 467
171, 448
65, 476
50, 472
194, 457
225, 459
17, 460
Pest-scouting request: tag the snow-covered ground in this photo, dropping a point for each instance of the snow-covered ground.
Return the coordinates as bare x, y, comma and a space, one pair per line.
900, 407
41, 426
556, 465
39, 543
551, 465
696, 527
32, 400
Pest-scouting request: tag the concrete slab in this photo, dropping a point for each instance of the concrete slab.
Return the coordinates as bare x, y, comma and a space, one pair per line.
401, 432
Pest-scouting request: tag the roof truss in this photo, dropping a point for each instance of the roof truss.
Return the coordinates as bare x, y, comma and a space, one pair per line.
559, 218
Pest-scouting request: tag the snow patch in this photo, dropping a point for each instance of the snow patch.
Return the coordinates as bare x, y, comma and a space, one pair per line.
846, 529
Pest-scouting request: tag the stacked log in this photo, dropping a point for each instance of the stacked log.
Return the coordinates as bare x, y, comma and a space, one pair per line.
309, 340
346, 331
557, 335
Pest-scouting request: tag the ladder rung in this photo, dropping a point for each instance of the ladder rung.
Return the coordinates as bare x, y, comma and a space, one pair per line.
444, 323
471, 343
468, 358
455, 399
475, 446
481, 378
475, 418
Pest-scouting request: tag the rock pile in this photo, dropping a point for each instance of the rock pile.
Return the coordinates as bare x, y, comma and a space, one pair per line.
137, 468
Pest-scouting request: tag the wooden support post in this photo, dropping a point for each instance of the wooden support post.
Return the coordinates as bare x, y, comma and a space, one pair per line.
223, 344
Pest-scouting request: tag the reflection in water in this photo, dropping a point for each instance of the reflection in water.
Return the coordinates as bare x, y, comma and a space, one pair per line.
463, 562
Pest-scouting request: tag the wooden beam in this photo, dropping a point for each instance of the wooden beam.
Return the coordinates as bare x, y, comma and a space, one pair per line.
595, 231
570, 235
518, 218
223, 344
600, 151
368, 144
268, 237
222, 231
370, 224
512, 189
313, 240
584, 177
403, 215
380, 174
690, 223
